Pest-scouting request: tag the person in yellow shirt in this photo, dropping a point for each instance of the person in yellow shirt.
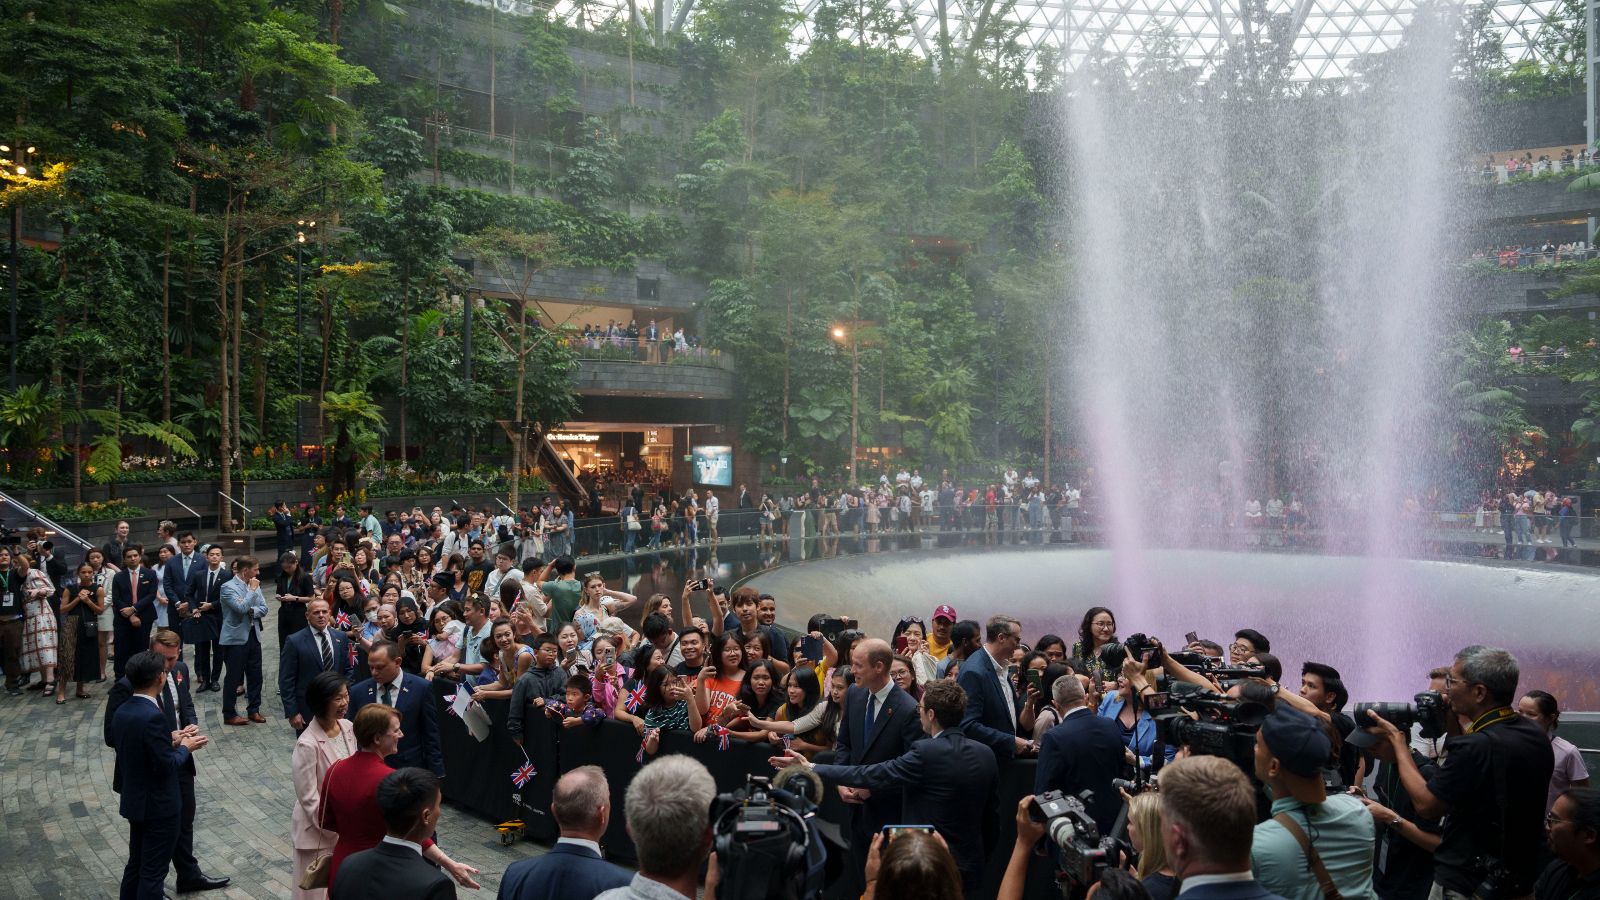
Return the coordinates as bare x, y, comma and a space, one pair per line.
939, 640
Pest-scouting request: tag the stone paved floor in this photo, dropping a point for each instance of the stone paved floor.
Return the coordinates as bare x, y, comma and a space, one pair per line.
61, 837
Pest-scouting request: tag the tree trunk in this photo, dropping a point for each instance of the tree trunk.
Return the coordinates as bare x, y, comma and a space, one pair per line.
405, 348
517, 429
788, 348
224, 420
166, 326
259, 363
238, 335
77, 441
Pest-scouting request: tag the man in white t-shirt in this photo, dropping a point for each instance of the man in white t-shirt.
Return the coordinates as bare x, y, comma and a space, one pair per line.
713, 508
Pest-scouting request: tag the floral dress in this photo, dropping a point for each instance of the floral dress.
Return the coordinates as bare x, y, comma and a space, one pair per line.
39, 632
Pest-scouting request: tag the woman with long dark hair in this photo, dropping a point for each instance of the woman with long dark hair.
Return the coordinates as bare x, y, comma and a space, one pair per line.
759, 698
718, 684
1099, 628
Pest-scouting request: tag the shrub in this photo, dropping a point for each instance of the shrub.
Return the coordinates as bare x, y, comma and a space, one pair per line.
93, 511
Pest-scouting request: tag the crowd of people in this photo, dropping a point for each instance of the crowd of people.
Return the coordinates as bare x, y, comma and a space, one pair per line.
651, 343
1567, 160
917, 726
1523, 256
1527, 517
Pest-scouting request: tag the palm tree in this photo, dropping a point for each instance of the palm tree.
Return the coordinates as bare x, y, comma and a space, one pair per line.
29, 417
356, 424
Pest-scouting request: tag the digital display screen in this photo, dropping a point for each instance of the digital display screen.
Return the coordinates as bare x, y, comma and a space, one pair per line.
713, 465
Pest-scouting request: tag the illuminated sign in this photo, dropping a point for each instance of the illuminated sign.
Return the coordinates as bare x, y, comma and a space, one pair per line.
652, 437
713, 465
574, 438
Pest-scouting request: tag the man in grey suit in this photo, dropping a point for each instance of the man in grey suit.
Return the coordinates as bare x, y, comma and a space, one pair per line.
573, 869
243, 610
409, 800
942, 780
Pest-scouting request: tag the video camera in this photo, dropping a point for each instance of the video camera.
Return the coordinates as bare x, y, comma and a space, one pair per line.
1222, 726
1215, 668
1081, 853
1427, 709
768, 843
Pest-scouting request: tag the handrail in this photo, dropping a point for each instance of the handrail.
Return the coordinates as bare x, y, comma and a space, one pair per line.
236, 503
33, 514
503, 506
199, 520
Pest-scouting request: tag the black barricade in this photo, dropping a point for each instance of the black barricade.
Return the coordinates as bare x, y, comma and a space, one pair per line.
478, 778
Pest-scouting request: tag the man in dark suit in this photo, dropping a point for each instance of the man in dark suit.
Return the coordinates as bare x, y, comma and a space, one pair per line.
991, 715
413, 696
177, 706
317, 648
133, 601
175, 578
409, 800
149, 758
879, 724
1084, 752
945, 778
1208, 818
573, 869
202, 623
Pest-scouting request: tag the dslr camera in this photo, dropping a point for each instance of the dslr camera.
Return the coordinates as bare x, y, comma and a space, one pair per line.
1081, 852
1427, 709
768, 844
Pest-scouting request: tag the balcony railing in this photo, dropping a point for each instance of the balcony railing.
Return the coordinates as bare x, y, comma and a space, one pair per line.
637, 350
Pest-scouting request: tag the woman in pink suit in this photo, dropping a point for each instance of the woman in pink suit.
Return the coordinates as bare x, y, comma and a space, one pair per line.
327, 739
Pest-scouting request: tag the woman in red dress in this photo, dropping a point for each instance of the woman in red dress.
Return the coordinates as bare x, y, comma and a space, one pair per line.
350, 795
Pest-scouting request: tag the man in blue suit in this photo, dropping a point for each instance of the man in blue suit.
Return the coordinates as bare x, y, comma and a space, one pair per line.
1084, 752
202, 616
991, 716
133, 601
317, 648
879, 724
149, 758
573, 869
1208, 819
942, 779
413, 696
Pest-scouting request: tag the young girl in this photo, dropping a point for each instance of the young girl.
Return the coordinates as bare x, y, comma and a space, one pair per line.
610, 675
719, 682
819, 725
666, 705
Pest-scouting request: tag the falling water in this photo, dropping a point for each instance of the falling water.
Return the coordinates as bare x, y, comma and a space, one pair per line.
1256, 277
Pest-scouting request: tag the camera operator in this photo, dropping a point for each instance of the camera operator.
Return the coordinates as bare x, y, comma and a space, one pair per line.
1406, 840
944, 780
668, 812
1330, 835
1492, 783
1575, 840
1084, 752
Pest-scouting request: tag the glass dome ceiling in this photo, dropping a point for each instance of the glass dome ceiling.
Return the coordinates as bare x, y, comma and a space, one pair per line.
1330, 35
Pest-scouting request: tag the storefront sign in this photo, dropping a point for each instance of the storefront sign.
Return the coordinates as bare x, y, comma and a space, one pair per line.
574, 438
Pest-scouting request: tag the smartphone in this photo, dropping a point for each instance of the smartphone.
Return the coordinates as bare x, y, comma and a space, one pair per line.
1036, 678
890, 832
1190, 638
811, 648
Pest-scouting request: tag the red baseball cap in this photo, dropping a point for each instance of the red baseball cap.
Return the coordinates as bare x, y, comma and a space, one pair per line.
945, 612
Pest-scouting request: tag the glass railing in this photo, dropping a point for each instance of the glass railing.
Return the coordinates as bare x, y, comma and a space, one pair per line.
637, 350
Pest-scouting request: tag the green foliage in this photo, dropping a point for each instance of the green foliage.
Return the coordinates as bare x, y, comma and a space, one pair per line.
94, 511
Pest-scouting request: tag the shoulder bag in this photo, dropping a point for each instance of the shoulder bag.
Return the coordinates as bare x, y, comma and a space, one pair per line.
1324, 880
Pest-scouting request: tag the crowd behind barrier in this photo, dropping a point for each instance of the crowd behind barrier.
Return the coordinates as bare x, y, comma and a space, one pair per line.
480, 778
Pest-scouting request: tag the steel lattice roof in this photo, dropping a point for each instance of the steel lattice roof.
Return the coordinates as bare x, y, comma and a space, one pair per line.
1330, 35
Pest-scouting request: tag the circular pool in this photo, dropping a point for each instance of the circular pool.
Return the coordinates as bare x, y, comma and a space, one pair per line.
1382, 622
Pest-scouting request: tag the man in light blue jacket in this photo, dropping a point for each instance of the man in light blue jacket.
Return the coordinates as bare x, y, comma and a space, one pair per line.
243, 609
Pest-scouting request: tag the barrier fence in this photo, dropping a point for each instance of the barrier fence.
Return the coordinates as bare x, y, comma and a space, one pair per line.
479, 778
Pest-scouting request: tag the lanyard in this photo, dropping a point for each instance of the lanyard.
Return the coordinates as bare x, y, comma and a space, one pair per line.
1491, 718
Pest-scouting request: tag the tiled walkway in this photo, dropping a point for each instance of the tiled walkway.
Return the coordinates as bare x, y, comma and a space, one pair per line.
61, 837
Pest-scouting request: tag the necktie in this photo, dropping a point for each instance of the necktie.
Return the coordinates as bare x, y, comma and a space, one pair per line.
388, 695
211, 582
872, 712
327, 651
167, 706
186, 561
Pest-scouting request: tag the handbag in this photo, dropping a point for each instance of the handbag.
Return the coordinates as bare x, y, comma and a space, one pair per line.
88, 628
633, 522
319, 870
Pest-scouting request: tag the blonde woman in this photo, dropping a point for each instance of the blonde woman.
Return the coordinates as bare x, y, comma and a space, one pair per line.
1144, 834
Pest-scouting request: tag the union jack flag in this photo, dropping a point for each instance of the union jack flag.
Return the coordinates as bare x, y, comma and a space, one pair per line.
635, 699
788, 741
343, 621
523, 775
722, 736
639, 757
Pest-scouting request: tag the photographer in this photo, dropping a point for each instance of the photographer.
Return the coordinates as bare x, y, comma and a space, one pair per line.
1406, 840
1321, 686
1492, 783
1330, 835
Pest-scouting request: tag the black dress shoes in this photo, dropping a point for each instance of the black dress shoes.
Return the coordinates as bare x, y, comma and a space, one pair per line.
203, 883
